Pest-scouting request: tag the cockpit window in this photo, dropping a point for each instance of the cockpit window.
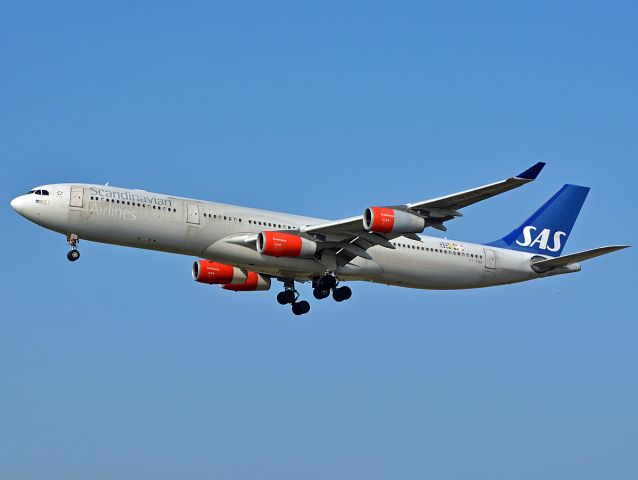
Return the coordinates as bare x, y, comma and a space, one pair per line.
45, 192
38, 192
30, 191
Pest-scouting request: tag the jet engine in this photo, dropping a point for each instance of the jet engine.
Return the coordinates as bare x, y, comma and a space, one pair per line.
389, 220
205, 271
276, 244
229, 277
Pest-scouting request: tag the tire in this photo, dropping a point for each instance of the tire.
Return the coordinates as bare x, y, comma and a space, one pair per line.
346, 292
289, 295
286, 297
342, 293
303, 306
320, 294
73, 255
282, 298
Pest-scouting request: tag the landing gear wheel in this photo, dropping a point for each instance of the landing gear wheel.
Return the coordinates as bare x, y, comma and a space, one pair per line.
300, 308
320, 294
327, 282
73, 255
286, 297
342, 293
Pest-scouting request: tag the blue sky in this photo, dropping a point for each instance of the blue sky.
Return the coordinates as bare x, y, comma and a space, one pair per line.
120, 366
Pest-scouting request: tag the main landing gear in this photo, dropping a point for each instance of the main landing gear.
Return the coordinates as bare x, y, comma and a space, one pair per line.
73, 240
290, 296
323, 287
327, 284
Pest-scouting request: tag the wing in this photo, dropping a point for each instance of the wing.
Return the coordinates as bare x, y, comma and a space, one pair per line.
345, 239
436, 210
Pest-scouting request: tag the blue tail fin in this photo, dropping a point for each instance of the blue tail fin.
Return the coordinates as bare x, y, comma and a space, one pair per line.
547, 230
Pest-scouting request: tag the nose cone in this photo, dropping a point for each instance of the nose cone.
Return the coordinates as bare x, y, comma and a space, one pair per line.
18, 204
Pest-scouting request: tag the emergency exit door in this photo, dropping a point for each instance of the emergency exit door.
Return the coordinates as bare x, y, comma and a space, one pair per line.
77, 197
490, 258
192, 213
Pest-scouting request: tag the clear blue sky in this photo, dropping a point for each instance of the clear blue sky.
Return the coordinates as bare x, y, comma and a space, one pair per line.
120, 366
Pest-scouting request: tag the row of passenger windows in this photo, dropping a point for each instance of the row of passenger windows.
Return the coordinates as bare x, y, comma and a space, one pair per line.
252, 222
38, 192
169, 209
134, 204
437, 250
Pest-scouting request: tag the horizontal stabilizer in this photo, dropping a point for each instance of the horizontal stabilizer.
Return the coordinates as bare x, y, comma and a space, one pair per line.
544, 265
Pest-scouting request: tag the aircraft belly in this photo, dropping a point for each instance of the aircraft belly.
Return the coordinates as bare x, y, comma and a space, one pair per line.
418, 270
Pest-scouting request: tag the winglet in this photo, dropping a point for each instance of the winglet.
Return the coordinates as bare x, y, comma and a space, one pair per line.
532, 172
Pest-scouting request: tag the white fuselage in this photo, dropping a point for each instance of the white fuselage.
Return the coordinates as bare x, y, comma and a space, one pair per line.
136, 218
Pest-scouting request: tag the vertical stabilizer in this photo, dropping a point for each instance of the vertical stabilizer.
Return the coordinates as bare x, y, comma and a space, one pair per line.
547, 230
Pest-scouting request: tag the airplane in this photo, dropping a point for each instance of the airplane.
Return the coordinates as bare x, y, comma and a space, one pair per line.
244, 249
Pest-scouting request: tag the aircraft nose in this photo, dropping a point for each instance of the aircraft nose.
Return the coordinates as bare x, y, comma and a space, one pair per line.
18, 204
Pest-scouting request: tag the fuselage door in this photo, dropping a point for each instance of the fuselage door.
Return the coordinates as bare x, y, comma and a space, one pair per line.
490, 258
77, 197
192, 213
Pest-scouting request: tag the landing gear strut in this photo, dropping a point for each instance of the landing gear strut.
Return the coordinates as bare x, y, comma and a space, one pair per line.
328, 283
73, 240
290, 296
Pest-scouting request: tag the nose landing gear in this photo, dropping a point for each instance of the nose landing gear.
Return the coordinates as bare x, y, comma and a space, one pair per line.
73, 240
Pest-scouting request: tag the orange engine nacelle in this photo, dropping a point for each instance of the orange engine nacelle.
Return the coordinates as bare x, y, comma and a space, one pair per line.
229, 277
214, 273
254, 282
278, 244
390, 220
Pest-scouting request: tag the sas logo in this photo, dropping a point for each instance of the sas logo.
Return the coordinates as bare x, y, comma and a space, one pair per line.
542, 239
